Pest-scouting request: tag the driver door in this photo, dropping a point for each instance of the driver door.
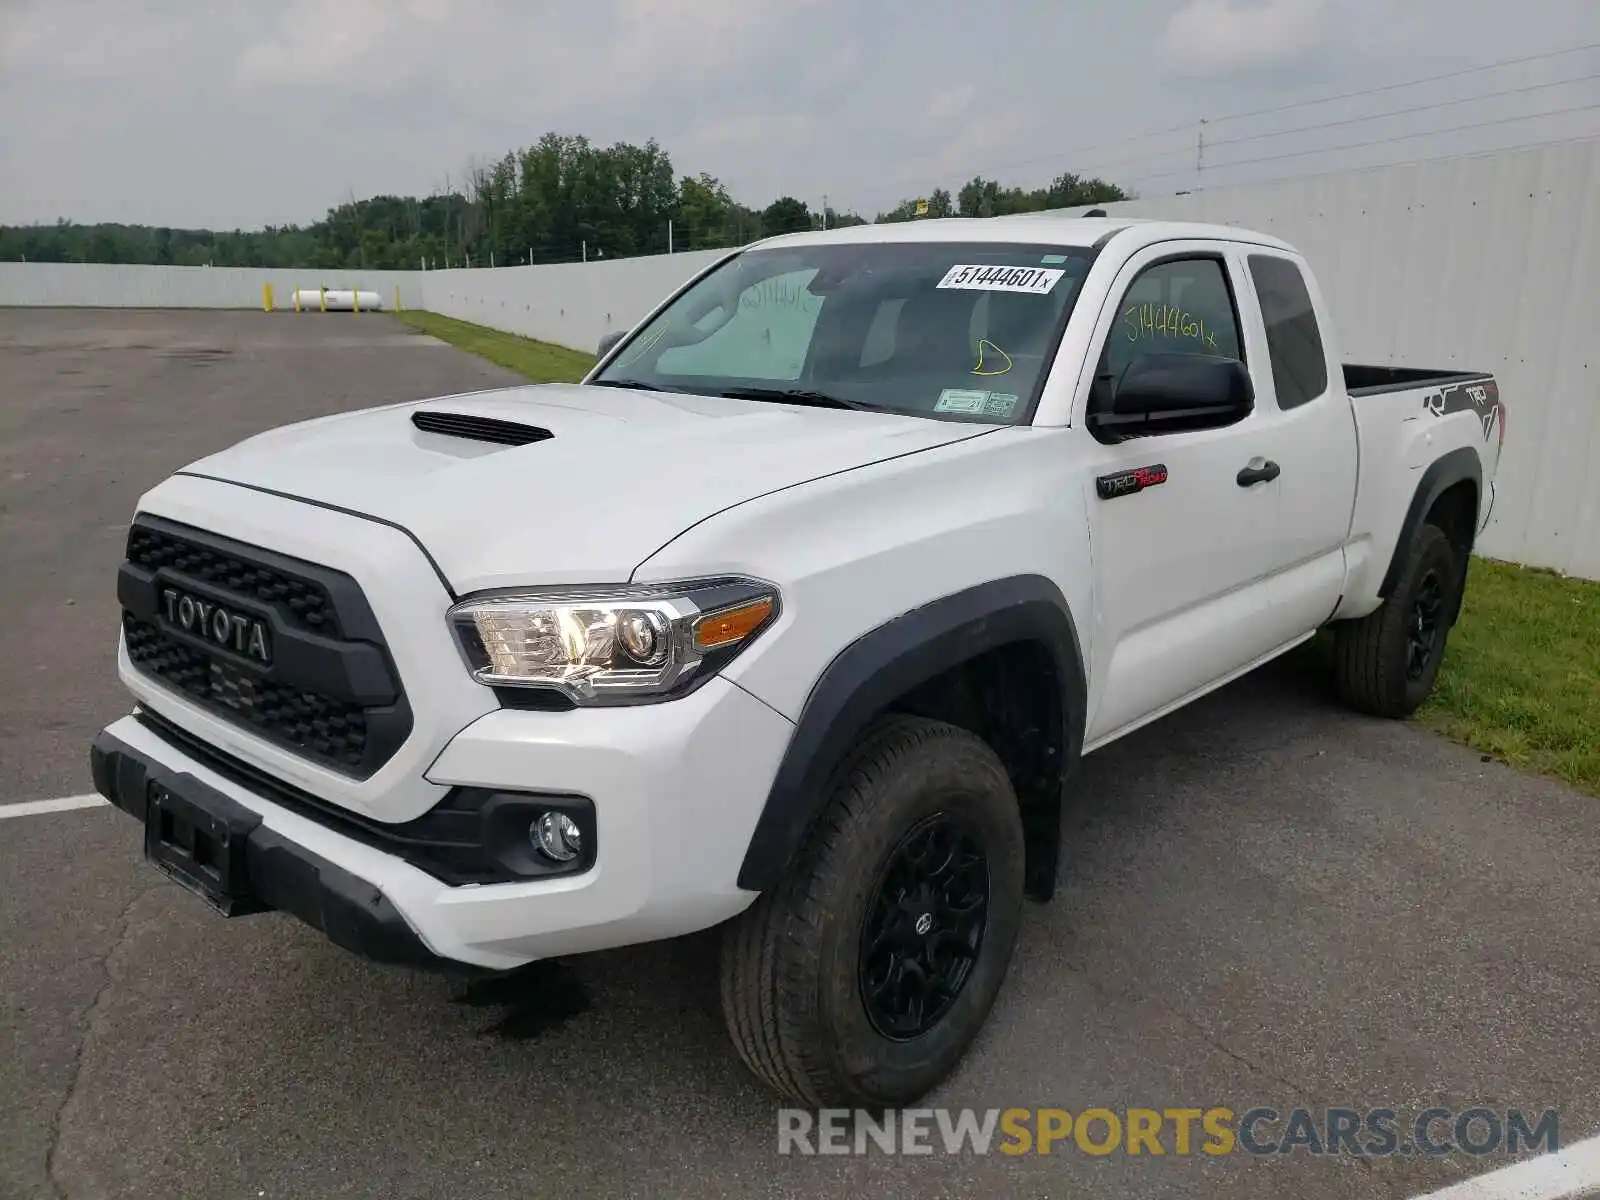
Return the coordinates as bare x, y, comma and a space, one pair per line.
1182, 550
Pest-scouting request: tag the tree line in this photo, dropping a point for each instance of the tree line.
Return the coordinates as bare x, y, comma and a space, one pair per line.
562, 199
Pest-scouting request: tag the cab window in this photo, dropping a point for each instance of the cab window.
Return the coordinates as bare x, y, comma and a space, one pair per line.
1181, 306
1299, 362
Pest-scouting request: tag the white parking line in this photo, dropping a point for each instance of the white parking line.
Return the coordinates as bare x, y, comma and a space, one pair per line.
33, 808
1567, 1175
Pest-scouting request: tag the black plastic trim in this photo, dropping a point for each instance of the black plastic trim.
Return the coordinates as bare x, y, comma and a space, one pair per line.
1451, 469
348, 512
889, 662
473, 428
1402, 379
461, 840
281, 874
534, 699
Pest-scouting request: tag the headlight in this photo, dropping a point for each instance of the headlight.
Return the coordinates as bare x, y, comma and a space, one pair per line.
618, 644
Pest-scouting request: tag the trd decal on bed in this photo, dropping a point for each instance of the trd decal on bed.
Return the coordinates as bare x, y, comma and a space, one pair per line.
1479, 396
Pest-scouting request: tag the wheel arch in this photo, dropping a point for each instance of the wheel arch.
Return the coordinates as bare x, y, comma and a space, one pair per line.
1448, 495
1003, 655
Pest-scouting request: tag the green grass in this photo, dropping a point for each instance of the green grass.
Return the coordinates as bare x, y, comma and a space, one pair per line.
538, 362
1521, 676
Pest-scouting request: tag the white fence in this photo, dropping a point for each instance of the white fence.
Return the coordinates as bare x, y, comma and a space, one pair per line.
571, 304
1490, 262
107, 285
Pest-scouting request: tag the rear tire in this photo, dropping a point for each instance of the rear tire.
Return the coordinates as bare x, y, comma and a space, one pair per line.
821, 976
1386, 663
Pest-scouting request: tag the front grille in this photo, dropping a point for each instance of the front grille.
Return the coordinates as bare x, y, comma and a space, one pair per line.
318, 726
330, 692
302, 603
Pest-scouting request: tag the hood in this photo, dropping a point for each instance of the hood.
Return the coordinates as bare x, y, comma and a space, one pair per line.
620, 473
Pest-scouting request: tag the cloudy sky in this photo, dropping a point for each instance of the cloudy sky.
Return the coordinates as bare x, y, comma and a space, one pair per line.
236, 113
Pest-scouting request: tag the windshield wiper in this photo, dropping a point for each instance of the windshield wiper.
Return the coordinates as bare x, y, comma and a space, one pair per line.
637, 385
795, 396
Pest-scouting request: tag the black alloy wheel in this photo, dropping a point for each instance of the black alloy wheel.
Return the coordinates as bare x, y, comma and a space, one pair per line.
1424, 625
862, 977
924, 927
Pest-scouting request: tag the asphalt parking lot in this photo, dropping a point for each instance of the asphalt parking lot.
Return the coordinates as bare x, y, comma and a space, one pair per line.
1269, 902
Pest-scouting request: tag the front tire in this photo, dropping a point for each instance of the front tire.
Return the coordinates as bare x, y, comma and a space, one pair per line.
864, 976
1386, 663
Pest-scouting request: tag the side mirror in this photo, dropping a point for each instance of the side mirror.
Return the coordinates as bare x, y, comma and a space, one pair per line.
1168, 392
610, 340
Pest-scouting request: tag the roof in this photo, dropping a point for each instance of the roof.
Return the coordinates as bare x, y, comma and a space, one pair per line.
1055, 228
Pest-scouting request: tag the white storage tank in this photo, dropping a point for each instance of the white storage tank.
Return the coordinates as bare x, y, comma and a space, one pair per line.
336, 300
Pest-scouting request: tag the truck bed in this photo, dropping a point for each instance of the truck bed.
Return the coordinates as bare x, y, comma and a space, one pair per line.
1362, 380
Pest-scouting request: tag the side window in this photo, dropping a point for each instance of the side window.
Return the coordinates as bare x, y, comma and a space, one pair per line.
1182, 306
1299, 363
766, 338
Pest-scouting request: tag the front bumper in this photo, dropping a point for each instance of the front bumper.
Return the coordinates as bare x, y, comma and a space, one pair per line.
675, 790
283, 875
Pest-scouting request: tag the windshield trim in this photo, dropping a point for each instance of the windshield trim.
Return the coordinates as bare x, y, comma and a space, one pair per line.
1024, 417
1053, 342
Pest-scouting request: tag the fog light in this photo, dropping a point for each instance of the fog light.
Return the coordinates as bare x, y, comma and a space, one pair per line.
557, 836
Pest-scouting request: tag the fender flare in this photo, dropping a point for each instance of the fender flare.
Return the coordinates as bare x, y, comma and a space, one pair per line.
1450, 469
886, 663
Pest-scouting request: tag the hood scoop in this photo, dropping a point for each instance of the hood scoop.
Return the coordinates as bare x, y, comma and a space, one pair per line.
479, 429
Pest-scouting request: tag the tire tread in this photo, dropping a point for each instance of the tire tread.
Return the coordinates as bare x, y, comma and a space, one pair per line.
772, 951
1366, 651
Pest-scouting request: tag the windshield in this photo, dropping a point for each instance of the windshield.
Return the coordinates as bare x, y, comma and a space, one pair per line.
948, 330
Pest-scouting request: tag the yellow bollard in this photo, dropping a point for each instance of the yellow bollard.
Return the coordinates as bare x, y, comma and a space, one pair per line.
397, 297
322, 298
355, 299
297, 298
266, 297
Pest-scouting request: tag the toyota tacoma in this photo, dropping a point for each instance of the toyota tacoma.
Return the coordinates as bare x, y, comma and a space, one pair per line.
793, 618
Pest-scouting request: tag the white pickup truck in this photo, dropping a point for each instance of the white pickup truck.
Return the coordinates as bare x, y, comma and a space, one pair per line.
793, 617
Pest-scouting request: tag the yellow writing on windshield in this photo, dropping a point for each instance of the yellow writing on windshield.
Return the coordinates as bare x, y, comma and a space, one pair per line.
991, 366
1142, 321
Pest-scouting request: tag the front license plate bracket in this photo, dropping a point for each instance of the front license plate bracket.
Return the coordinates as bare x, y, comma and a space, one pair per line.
199, 838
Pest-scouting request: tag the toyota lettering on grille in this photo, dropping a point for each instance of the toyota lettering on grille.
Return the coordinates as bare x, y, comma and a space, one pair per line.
221, 626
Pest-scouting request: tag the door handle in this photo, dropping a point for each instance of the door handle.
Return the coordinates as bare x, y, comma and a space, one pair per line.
1259, 471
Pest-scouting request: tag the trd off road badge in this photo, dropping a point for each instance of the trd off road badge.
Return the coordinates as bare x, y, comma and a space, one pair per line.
1125, 483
